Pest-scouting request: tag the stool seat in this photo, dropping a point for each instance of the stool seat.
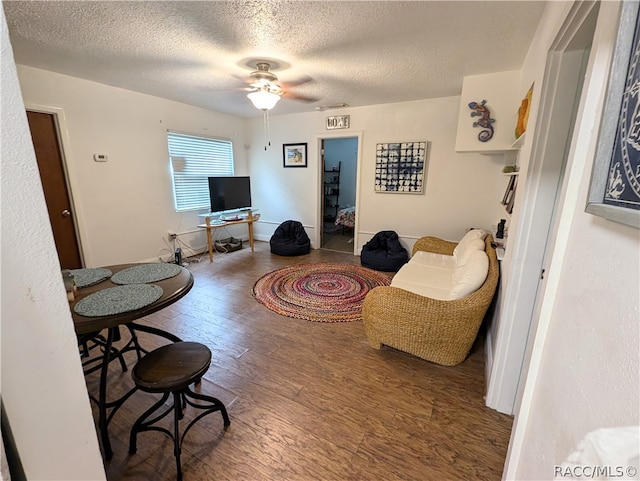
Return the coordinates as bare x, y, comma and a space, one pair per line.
172, 367
170, 370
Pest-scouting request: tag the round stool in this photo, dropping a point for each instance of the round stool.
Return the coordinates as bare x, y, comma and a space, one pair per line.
170, 370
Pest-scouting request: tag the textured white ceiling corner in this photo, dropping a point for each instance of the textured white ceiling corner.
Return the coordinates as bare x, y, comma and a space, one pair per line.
356, 52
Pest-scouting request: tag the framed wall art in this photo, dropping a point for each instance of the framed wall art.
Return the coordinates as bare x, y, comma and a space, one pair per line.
614, 191
294, 155
400, 167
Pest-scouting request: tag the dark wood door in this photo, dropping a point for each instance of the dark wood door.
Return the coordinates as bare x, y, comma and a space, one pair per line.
44, 135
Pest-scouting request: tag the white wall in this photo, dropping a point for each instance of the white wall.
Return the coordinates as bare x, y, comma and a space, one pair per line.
461, 190
584, 371
125, 206
43, 387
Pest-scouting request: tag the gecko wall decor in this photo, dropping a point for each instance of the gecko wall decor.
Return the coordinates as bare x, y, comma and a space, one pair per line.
485, 121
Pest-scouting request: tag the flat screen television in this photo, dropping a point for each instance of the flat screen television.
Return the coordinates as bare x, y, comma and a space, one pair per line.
229, 193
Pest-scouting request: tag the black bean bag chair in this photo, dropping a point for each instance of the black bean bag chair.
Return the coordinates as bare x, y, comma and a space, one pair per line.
290, 239
384, 252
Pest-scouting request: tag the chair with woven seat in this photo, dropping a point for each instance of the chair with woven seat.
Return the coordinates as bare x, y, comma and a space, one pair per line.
435, 327
170, 370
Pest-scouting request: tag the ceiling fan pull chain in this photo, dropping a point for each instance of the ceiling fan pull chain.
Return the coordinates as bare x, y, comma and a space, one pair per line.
266, 131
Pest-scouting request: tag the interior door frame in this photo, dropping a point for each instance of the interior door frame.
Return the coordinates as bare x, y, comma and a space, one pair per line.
342, 134
583, 139
532, 225
64, 143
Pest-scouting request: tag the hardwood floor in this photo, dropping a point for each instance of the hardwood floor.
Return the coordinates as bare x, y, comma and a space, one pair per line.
337, 238
308, 401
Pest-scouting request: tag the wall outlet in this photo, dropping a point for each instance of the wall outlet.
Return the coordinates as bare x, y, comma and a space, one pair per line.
172, 235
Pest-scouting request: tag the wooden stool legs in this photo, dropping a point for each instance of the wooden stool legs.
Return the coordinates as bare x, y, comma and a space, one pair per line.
170, 370
180, 400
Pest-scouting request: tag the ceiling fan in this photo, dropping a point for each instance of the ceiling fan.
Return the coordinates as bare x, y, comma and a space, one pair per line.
265, 90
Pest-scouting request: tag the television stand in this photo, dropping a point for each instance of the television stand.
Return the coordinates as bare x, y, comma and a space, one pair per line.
211, 227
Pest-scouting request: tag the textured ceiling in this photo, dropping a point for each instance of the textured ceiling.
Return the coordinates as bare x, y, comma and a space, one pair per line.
355, 52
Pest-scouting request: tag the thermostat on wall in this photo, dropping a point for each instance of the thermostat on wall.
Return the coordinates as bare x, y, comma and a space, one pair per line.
100, 157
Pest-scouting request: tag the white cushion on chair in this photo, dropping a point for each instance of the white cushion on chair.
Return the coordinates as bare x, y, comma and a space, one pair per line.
430, 259
469, 237
468, 277
444, 277
474, 245
423, 280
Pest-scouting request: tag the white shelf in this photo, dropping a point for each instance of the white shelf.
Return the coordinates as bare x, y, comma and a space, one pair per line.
241, 213
519, 141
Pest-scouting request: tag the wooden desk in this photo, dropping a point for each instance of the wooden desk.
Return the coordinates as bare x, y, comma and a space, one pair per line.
212, 227
174, 289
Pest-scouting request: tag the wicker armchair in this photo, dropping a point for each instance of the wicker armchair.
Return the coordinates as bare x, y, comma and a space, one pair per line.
438, 331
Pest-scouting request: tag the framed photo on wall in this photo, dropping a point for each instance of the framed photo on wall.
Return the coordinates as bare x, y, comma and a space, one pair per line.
614, 191
294, 155
400, 167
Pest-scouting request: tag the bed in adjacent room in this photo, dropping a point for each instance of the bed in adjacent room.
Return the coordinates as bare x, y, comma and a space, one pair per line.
346, 218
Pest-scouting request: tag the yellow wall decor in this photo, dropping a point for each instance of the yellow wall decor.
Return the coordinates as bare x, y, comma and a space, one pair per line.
523, 113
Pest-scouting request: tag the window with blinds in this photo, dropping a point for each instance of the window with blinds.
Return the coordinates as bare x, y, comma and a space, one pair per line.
193, 160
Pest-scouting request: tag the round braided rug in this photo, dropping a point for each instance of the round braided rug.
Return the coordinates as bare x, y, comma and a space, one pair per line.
321, 292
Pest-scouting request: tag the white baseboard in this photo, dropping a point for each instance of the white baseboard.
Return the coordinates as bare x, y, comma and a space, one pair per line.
488, 360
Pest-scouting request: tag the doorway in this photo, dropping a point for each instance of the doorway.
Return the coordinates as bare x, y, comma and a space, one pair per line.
49, 156
339, 158
560, 99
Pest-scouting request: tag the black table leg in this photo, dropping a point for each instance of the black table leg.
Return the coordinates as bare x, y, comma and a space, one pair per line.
154, 330
102, 396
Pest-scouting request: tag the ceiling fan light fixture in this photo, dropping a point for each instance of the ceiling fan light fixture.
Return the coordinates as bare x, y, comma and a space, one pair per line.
263, 99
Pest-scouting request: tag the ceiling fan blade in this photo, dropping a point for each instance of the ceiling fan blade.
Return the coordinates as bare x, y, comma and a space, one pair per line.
250, 81
301, 98
264, 79
236, 89
295, 83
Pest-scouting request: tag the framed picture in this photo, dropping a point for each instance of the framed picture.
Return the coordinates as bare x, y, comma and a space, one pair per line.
400, 167
614, 191
294, 155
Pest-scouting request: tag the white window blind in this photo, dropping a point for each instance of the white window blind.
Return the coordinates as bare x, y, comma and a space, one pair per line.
193, 160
